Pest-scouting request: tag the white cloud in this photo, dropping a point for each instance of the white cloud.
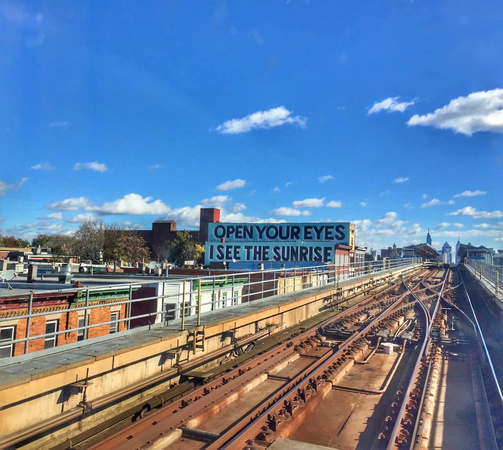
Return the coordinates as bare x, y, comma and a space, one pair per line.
186, 216
229, 185
5, 187
390, 104
408, 206
276, 190
479, 111
132, 204
388, 218
289, 212
471, 211
218, 201
70, 204
42, 166
451, 202
400, 180
274, 117
334, 204
363, 204
441, 226
155, 166
81, 218
238, 207
458, 225
325, 178
424, 196
483, 226
471, 193
241, 218
309, 203
95, 165
472, 234
432, 202
288, 183
58, 124
53, 216
388, 226
31, 230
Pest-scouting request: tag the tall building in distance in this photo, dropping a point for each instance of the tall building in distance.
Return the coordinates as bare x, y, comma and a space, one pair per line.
428, 238
446, 253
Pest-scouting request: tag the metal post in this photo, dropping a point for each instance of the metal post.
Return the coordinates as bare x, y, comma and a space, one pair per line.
497, 282
183, 307
214, 304
262, 287
199, 302
232, 291
86, 320
130, 306
28, 322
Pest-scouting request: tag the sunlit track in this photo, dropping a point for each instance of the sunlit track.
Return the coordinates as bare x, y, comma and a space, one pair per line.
484, 345
183, 418
410, 406
413, 423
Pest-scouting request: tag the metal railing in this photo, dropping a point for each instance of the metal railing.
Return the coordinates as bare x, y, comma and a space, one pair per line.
175, 301
493, 275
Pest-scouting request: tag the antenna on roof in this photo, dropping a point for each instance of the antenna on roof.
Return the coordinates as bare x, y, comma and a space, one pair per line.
8, 275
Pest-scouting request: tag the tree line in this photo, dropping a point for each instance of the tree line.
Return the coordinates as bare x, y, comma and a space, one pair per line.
111, 243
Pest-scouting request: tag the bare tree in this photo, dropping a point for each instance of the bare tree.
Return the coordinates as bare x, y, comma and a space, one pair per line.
111, 241
89, 240
161, 251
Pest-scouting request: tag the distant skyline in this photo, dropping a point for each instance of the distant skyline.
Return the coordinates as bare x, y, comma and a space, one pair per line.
388, 115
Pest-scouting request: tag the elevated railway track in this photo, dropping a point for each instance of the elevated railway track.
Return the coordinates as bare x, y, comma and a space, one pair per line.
369, 375
271, 396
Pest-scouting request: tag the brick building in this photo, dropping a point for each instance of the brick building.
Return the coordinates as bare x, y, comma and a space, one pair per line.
164, 231
58, 315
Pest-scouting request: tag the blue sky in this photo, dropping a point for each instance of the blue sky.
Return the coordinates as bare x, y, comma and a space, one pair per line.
386, 114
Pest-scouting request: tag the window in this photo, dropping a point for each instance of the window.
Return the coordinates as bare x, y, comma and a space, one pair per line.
114, 324
51, 328
82, 334
6, 345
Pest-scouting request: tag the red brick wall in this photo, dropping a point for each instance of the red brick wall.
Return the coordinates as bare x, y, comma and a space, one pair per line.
66, 321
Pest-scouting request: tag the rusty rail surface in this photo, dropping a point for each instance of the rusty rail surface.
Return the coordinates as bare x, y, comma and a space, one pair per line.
165, 422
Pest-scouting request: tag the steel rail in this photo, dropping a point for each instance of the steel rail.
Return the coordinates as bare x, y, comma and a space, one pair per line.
396, 428
346, 313
160, 417
483, 341
257, 418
